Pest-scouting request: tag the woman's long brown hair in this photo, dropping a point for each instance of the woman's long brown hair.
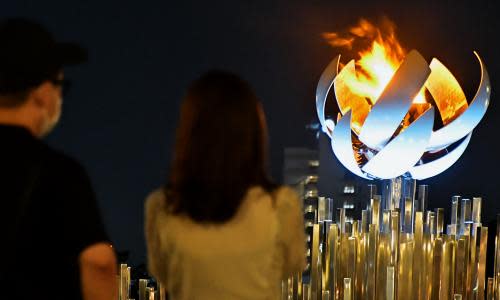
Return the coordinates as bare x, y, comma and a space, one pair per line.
221, 149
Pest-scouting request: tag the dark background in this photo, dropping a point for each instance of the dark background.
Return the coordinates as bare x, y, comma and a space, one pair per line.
120, 118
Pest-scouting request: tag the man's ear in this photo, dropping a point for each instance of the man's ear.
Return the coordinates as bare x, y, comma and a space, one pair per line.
41, 95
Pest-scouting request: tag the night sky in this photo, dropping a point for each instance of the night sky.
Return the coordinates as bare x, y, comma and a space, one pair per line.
120, 116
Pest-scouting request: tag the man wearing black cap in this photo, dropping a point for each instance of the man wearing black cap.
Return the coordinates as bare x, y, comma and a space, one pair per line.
53, 242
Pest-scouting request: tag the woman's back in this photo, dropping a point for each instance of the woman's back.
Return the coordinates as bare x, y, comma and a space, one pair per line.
244, 258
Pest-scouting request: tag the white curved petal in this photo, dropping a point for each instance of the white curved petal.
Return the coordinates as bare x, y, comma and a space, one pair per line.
324, 85
342, 145
404, 151
469, 119
329, 126
389, 110
437, 166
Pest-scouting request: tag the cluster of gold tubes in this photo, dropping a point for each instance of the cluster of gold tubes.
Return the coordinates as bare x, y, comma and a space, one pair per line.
398, 253
145, 292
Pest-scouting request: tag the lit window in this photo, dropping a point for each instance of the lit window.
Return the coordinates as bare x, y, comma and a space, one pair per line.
349, 189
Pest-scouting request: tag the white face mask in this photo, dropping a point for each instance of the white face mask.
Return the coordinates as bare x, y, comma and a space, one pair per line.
49, 122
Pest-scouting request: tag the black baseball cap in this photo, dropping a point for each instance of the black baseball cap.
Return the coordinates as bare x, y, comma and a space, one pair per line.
29, 55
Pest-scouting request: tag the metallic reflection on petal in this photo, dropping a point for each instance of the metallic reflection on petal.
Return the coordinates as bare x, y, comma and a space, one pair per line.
324, 85
404, 151
390, 109
347, 100
440, 165
468, 120
446, 91
342, 145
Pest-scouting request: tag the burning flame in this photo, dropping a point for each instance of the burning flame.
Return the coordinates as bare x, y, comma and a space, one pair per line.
376, 63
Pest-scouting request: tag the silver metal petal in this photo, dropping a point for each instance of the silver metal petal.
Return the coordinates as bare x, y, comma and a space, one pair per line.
469, 119
404, 151
439, 165
342, 145
322, 90
389, 110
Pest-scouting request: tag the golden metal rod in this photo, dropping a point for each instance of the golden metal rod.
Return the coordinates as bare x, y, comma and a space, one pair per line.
315, 262
423, 193
284, 289
355, 228
326, 295
352, 246
452, 230
461, 265
472, 263
343, 263
333, 237
348, 228
476, 210
347, 289
467, 229
325, 256
408, 214
163, 292
394, 230
150, 293
360, 274
342, 220
289, 292
123, 282
128, 279
386, 219
490, 291
143, 284
439, 221
306, 291
375, 211
446, 289
436, 267
465, 214
431, 222
364, 221
418, 258
405, 274
297, 288
497, 260
455, 210
383, 260
427, 265
481, 262
371, 262
372, 188
390, 283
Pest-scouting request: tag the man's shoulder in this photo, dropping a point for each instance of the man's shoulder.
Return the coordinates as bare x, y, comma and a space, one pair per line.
62, 165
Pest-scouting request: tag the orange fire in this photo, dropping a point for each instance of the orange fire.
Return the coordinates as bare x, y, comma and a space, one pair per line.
376, 63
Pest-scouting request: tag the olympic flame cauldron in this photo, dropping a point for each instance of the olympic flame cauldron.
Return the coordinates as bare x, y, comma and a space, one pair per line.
387, 101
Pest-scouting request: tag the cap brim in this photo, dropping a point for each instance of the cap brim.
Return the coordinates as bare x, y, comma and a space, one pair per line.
70, 54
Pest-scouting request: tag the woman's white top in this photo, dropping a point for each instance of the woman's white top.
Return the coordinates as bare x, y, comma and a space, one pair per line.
244, 258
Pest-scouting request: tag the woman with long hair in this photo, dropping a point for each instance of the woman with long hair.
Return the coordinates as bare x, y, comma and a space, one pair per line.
220, 228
